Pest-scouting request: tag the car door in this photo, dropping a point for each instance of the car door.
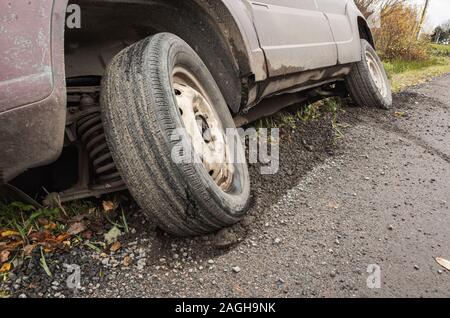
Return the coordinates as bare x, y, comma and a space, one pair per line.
338, 14
294, 34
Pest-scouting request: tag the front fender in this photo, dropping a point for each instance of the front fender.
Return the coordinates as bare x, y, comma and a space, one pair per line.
242, 14
32, 84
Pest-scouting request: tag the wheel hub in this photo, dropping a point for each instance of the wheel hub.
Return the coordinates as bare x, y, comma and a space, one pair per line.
376, 74
204, 127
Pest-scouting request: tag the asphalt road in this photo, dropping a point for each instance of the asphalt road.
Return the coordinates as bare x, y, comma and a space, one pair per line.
376, 199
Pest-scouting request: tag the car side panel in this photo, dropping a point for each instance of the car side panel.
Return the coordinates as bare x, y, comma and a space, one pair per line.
295, 36
342, 15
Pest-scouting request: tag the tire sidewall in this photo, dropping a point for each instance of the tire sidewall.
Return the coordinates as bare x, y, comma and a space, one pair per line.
175, 52
385, 102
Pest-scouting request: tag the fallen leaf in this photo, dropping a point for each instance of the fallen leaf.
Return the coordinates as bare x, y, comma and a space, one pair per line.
87, 235
76, 228
4, 255
63, 237
116, 246
42, 221
78, 218
47, 241
443, 262
112, 235
126, 261
39, 236
9, 233
5, 268
28, 250
12, 246
400, 114
50, 226
108, 206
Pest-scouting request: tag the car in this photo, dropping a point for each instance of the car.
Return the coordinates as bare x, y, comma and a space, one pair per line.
92, 91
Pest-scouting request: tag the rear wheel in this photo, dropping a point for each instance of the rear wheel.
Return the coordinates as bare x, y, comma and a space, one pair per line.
367, 82
159, 103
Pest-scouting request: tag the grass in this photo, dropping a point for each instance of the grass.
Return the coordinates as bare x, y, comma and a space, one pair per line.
440, 50
404, 73
25, 228
44, 265
23, 219
308, 113
401, 66
305, 114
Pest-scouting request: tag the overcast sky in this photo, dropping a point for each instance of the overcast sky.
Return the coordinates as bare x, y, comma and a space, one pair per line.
438, 12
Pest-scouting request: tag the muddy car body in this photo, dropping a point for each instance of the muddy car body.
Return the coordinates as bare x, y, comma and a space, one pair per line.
263, 56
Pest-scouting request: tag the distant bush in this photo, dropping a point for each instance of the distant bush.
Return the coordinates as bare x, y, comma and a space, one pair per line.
397, 37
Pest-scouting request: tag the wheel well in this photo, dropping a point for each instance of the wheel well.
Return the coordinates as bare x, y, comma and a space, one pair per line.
364, 31
108, 26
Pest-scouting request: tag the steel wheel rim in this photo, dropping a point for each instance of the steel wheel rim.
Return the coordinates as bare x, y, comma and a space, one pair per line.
376, 73
204, 127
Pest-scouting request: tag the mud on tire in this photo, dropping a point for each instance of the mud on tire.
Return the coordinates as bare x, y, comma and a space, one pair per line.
140, 114
367, 82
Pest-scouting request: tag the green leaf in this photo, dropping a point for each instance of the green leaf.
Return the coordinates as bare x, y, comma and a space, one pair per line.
44, 264
112, 235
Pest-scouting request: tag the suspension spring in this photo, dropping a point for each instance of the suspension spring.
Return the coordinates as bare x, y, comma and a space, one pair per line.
91, 133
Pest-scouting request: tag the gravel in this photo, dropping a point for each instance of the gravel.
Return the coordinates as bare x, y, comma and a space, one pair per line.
236, 269
338, 211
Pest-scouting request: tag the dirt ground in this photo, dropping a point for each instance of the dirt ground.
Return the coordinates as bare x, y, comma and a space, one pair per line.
378, 198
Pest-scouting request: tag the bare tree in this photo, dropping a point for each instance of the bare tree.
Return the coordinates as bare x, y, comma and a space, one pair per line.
422, 18
386, 6
365, 6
